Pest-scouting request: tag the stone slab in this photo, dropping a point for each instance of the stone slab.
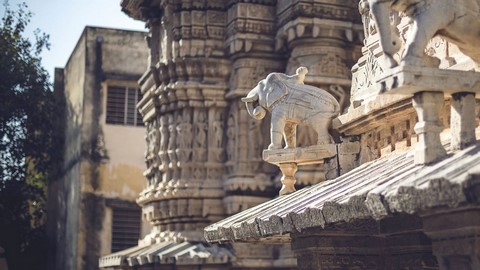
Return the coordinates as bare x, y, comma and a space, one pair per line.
300, 155
408, 80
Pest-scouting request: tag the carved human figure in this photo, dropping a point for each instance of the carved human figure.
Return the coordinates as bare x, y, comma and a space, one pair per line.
184, 136
255, 138
457, 21
218, 133
291, 103
153, 141
217, 147
172, 141
216, 151
185, 131
231, 138
200, 131
147, 140
164, 139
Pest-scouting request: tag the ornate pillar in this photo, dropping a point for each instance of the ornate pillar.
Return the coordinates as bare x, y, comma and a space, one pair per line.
428, 106
184, 110
325, 38
250, 39
462, 120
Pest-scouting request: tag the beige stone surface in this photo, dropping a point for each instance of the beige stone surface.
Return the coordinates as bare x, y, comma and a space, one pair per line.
462, 120
292, 103
407, 80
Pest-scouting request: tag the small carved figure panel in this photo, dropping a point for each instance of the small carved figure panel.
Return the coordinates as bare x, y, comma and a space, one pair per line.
200, 135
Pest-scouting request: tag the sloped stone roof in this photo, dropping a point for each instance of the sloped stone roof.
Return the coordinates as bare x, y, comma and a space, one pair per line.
185, 253
391, 184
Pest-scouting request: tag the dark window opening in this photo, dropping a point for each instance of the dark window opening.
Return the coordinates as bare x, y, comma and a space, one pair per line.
125, 228
121, 106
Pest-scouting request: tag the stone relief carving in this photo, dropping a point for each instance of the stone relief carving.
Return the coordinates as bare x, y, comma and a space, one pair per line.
164, 140
291, 103
459, 23
216, 148
153, 138
218, 133
172, 140
185, 135
231, 138
255, 138
200, 130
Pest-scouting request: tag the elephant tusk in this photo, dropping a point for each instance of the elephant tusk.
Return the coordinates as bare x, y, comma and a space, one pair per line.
259, 113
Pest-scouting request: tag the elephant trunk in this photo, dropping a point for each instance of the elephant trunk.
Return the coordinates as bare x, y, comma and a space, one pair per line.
258, 113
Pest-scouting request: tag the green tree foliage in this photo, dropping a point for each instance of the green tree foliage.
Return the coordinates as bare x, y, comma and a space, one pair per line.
26, 138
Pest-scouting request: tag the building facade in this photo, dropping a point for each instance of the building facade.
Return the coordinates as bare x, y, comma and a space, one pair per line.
203, 156
92, 210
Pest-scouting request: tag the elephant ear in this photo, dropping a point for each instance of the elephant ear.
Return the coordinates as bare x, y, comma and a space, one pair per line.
276, 89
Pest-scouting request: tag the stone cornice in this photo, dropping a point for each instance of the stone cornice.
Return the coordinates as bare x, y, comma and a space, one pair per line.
376, 190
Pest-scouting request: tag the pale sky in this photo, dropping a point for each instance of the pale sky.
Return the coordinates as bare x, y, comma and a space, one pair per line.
64, 21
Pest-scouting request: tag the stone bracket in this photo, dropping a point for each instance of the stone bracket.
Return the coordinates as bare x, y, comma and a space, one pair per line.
300, 155
289, 159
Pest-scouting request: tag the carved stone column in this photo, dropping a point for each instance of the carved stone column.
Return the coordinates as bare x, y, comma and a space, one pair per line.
251, 41
462, 120
325, 45
428, 106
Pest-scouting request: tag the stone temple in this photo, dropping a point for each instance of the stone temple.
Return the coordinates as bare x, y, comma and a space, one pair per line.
393, 187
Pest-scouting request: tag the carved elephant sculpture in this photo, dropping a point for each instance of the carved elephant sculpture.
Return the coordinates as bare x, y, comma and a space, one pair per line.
292, 103
458, 21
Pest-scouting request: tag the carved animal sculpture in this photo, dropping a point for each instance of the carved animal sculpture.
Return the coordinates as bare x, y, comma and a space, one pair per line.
292, 103
458, 21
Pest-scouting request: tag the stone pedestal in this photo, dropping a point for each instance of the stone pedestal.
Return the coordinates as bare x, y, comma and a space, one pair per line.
289, 159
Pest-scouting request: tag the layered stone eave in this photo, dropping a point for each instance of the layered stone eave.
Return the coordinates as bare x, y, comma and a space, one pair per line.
373, 113
382, 188
169, 253
132, 8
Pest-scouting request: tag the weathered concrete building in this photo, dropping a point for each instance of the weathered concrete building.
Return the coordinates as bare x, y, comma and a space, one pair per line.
203, 157
92, 209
